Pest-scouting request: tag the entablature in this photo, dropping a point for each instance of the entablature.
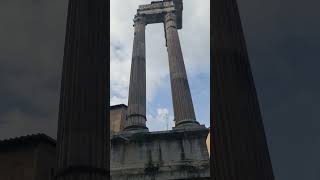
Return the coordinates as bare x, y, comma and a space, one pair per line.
154, 12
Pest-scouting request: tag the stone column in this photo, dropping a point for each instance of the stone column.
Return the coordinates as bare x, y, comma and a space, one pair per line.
82, 141
182, 102
239, 146
136, 117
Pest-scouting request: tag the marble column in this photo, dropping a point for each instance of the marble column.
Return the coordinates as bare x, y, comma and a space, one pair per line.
239, 146
182, 102
82, 140
136, 116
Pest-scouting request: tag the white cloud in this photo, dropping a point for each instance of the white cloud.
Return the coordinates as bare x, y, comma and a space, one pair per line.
114, 100
161, 121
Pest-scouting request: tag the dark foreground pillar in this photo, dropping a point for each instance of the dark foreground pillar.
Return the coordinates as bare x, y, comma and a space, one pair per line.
239, 144
136, 119
81, 139
182, 102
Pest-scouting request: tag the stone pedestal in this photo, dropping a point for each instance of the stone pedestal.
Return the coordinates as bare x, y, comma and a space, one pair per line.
81, 139
174, 154
136, 118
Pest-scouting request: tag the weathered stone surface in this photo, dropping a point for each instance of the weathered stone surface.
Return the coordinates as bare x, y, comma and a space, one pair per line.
175, 154
118, 115
136, 117
154, 12
81, 139
170, 13
27, 158
182, 102
239, 149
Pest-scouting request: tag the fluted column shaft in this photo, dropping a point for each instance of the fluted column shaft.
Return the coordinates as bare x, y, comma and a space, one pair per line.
81, 138
136, 118
240, 150
182, 102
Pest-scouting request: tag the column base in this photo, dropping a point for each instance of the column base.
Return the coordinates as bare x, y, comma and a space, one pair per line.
136, 122
136, 129
188, 124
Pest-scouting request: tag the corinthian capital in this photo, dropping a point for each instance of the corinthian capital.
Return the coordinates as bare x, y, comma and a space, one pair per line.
139, 19
170, 20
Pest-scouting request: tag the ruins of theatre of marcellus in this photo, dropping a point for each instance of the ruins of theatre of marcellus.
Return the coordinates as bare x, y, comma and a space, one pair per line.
80, 152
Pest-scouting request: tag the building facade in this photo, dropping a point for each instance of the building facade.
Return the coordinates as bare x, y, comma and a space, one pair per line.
27, 158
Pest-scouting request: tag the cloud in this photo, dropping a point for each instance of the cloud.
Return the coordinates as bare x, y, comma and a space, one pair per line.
161, 120
32, 42
114, 100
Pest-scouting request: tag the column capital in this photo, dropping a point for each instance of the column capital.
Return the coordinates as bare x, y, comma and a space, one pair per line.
170, 16
139, 19
169, 21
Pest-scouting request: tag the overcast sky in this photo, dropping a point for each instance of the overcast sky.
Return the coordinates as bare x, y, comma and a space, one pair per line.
283, 42
195, 43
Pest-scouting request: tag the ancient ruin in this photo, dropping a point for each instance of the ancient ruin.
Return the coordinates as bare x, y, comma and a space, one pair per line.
180, 153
